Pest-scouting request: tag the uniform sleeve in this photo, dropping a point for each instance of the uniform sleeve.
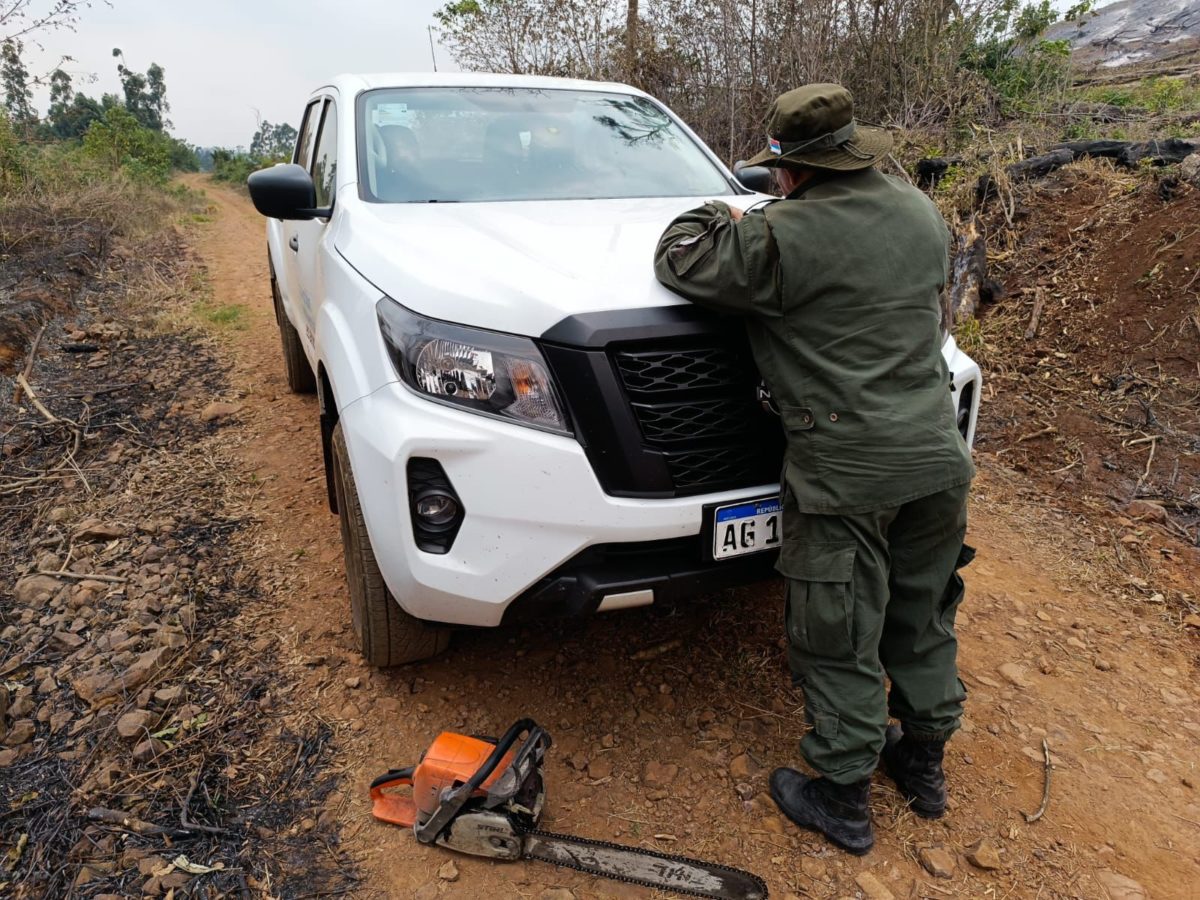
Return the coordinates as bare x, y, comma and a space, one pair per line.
725, 266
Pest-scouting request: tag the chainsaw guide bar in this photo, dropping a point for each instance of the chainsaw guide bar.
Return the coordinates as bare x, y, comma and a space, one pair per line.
649, 868
478, 795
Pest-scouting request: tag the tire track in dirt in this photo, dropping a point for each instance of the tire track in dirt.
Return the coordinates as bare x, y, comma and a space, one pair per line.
1051, 649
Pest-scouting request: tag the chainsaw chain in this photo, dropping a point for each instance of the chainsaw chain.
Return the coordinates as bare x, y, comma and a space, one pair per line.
669, 857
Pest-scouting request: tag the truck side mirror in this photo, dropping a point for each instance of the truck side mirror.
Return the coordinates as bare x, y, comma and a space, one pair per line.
285, 191
756, 178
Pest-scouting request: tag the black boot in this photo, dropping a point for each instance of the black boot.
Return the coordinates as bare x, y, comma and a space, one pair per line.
916, 767
838, 811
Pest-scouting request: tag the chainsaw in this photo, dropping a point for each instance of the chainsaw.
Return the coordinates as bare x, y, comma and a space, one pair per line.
484, 796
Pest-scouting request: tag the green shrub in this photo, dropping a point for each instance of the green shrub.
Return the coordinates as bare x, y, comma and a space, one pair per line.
14, 156
119, 141
235, 166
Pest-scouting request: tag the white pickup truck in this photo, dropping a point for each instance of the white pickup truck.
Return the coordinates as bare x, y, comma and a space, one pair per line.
518, 420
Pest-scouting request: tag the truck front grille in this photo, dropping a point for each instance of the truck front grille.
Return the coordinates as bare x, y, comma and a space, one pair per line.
671, 416
672, 370
670, 422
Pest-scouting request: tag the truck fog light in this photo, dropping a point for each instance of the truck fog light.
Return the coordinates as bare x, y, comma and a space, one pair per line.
436, 509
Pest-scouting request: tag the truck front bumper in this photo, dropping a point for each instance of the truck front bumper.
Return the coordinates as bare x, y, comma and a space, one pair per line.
537, 524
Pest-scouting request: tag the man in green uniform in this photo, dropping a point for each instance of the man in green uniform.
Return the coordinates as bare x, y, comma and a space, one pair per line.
839, 284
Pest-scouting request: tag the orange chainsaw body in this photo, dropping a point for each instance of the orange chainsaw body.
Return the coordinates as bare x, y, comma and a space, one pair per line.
450, 761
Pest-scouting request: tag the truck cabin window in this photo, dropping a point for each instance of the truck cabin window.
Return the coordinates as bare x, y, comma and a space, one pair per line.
444, 145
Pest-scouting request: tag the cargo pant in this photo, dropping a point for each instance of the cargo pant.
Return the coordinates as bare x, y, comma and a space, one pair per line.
868, 596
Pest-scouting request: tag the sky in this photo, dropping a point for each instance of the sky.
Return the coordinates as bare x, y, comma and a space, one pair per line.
229, 61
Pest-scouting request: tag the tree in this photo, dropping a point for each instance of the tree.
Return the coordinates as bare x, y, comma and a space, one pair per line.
145, 95
71, 120
719, 63
273, 141
19, 18
61, 89
18, 98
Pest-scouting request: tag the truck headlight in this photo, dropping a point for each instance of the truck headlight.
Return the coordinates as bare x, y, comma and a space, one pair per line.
487, 372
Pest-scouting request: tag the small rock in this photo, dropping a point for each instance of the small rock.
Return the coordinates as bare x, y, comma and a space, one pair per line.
937, 862
148, 750
812, 867
983, 855
66, 640
600, 767
1014, 674
168, 694
1120, 887
1158, 776
742, 767
448, 871
1104, 665
174, 881
872, 887
7, 758
219, 410
172, 639
1147, 510
1190, 169
93, 530
426, 892
20, 732
556, 894
134, 724
745, 791
659, 775
35, 589
148, 865
353, 681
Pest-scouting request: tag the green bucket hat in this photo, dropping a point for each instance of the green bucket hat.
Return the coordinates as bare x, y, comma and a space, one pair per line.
814, 126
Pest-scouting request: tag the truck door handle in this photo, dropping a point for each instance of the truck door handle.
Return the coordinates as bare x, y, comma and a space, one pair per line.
294, 243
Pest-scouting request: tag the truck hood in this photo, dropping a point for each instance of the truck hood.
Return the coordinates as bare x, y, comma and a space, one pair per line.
519, 267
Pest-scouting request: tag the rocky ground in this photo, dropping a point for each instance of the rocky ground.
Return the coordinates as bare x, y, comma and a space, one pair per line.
666, 720
145, 743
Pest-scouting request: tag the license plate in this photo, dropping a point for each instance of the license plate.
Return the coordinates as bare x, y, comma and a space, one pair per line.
751, 526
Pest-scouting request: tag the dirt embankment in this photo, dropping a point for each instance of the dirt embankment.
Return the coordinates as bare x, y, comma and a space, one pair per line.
668, 720
1093, 360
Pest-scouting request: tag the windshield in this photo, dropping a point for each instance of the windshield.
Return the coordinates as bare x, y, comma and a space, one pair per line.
425, 145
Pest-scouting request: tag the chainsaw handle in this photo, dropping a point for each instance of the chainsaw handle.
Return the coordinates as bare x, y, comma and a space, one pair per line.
503, 745
398, 809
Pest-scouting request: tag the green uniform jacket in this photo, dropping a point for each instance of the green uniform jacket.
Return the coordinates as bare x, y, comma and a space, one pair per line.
840, 284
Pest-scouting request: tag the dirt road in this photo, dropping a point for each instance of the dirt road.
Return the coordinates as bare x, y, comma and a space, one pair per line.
673, 752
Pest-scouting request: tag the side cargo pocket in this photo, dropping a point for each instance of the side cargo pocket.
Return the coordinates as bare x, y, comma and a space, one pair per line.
955, 592
820, 617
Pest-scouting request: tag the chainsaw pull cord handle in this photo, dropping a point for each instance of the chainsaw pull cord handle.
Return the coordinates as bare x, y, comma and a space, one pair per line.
454, 798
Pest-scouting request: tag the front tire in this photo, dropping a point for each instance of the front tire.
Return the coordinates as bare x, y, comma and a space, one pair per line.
300, 377
387, 635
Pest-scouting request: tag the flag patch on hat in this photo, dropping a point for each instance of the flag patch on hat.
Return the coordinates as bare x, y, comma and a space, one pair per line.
774, 145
